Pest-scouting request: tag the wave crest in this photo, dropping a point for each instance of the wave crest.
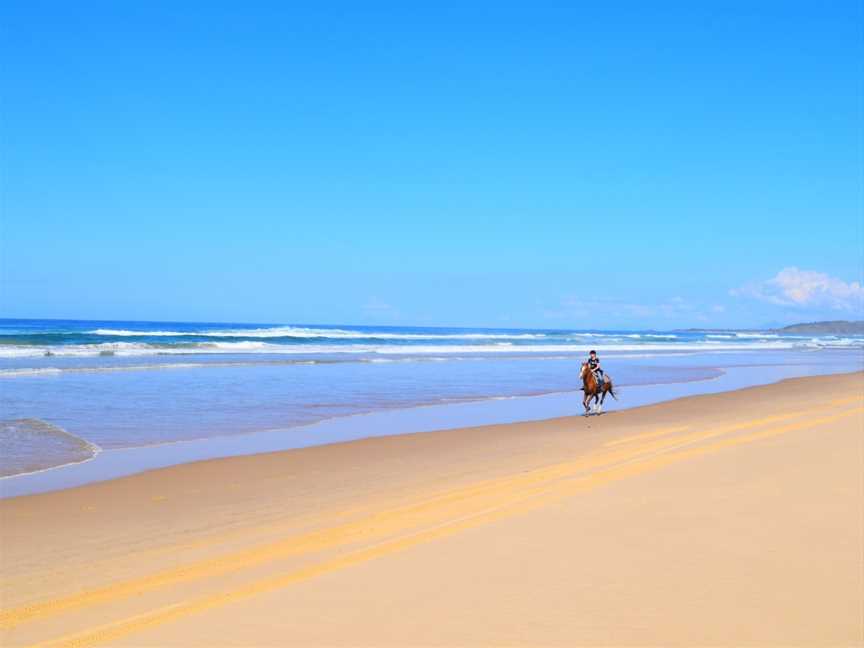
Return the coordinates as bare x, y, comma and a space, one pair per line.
315, 333
259, 347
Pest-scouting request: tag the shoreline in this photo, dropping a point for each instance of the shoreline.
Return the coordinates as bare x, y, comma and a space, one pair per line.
556, 532
112, 463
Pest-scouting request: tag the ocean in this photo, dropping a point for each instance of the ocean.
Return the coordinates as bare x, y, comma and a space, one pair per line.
71, 390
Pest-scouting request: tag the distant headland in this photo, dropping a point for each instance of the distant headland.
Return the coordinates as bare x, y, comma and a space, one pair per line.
835, 327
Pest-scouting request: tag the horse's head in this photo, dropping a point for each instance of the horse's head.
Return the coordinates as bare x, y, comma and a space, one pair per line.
583, 370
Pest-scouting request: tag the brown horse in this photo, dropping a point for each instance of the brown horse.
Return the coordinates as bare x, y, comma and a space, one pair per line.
593, 390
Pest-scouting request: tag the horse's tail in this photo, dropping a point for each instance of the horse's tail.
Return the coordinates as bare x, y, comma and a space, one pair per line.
612, 391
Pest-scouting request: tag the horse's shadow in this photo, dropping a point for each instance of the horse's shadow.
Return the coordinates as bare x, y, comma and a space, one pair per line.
601, 413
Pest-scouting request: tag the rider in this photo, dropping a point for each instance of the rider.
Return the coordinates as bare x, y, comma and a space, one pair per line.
594, 365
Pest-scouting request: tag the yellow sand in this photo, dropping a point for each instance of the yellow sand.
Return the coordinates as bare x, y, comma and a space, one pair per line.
732, 519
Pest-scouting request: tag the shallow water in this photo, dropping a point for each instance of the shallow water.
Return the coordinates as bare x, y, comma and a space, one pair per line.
32, 444
125, 461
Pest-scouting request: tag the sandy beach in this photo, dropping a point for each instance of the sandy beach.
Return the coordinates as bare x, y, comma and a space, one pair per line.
726, 519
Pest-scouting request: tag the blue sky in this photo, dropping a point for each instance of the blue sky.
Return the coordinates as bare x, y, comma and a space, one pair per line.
624, 164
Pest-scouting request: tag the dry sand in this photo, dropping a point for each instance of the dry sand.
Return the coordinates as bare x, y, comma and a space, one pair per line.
731, 519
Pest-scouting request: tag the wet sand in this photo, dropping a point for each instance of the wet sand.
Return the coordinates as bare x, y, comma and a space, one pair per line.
727, 519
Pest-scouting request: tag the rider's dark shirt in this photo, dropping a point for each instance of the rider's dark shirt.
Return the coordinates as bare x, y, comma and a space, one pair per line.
593, 362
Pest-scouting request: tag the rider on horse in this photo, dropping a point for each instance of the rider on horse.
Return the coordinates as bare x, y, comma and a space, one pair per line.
594, 366
597, 388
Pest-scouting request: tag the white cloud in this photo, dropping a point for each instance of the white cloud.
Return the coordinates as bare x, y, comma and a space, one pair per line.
805, 288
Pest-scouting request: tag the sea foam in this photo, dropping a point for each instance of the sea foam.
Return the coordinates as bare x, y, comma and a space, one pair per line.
259, 347
313, 333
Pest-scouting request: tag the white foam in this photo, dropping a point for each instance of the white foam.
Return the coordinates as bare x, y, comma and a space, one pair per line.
653, 336
835, 343
717, 342
54, 371
16, 351
246, 346
125, 333
302, 332
761, 336
46, 371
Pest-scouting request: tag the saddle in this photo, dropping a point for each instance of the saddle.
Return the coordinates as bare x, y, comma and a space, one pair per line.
601, 380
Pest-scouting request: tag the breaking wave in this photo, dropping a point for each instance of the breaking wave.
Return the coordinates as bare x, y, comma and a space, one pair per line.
316, 333
127, 349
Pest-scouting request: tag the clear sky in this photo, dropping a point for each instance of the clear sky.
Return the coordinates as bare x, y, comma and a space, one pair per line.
627, 164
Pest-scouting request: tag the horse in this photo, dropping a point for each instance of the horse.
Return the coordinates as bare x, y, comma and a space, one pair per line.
593, 390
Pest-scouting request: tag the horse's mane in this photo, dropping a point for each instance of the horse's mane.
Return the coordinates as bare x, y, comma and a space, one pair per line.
586, 373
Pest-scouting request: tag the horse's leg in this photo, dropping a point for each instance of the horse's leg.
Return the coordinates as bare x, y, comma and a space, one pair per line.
600, 404
585, 400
